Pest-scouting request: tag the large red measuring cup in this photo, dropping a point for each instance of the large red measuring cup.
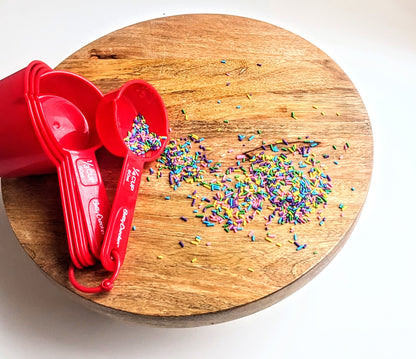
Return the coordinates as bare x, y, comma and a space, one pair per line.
62, 107
115, 115
23, 150
42, 114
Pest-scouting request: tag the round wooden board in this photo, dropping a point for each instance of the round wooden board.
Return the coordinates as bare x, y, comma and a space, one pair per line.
181, 57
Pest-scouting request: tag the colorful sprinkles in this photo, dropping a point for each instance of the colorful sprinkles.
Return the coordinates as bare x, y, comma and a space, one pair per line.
140, 140
284, 182
271, 182
280, 181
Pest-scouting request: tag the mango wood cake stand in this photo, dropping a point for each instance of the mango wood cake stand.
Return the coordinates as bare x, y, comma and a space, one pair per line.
269, 77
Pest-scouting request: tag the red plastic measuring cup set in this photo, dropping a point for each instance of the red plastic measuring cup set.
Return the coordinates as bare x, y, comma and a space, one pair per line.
62, 119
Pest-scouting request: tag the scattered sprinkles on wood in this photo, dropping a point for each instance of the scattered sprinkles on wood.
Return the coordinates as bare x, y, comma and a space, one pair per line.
282, 181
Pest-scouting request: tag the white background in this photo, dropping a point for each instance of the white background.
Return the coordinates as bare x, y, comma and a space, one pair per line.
361, 306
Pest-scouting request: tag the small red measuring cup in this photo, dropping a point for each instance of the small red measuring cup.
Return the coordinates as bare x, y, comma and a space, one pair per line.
115, 115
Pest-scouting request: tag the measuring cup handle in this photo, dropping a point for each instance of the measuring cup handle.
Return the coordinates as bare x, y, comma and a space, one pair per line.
122, 212
92, 196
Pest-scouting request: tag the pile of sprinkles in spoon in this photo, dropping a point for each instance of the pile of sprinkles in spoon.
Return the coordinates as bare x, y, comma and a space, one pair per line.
140, 140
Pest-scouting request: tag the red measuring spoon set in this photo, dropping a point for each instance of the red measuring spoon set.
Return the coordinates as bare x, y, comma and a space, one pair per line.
62, 119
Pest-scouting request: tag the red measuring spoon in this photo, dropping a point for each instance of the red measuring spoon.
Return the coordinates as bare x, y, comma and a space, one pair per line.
69, 104
115, 115
73, 221
65, 117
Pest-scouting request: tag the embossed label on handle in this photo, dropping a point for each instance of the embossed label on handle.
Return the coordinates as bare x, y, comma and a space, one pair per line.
122, 226
87, 172
132, 178
96, 215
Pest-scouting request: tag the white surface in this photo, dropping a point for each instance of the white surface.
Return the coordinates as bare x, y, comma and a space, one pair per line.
361, 306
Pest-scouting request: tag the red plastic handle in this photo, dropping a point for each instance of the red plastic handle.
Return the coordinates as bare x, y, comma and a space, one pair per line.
78, 245
68, 218
90, 196
122, 212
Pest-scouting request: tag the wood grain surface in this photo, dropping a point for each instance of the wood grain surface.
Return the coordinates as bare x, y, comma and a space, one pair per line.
181, 57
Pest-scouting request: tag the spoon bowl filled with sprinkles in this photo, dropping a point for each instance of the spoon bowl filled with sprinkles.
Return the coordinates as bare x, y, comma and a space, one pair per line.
140, 140
132, 123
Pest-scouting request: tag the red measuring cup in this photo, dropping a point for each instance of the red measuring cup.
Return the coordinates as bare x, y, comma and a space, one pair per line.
23, 150
69, 104
115, 115
74, 223
66, 105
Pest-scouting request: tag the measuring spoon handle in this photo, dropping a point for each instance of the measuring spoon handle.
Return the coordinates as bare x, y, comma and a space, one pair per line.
122, 212
77, 243
90, 196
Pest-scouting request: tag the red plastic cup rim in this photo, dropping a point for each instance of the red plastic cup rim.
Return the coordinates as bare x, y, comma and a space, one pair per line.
37, 71
115, 126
